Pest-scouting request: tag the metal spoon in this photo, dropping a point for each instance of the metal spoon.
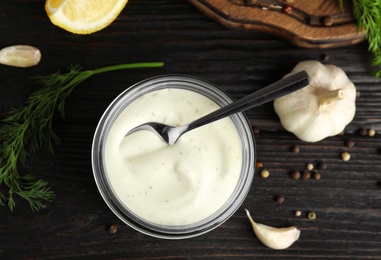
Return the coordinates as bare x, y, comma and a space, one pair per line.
170, 134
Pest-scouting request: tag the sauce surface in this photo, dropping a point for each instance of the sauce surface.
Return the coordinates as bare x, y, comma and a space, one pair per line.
179, 184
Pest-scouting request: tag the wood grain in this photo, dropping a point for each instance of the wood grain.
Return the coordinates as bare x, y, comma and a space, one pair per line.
75, 225
318, 24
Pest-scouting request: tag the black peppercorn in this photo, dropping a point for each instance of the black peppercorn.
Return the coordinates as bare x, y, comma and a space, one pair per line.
317, 176
295, 175
363, 132
349, 143
306, 175
112, 229
255, 130
279, 199
325, 57
295, 149
287, 9
327, 20
322, 166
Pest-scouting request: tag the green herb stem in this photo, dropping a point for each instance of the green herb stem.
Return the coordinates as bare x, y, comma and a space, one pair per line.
28, 129
128, 66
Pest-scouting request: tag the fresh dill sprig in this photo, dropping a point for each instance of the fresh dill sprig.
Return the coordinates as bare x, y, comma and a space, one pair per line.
26, 130
368, 16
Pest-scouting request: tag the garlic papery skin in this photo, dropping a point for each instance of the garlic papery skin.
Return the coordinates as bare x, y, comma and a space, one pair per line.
323, 108
275, 238
20, 56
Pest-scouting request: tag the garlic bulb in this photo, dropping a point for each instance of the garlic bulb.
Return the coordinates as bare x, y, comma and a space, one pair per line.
322, 109
20, 56
275, 238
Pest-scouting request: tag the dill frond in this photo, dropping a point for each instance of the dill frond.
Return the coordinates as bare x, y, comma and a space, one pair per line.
368, 16
29, 129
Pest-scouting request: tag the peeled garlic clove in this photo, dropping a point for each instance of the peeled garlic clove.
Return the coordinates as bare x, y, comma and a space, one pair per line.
20, 56
275, 238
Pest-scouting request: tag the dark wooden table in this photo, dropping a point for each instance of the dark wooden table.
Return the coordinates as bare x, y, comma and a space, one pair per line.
346, 200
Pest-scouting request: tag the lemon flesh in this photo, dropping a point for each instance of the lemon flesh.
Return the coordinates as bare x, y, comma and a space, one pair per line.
83, 16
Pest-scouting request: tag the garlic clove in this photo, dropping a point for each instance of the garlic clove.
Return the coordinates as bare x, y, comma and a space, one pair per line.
275, 238
20, 56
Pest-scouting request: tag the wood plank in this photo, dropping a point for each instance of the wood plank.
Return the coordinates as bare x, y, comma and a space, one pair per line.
75, 225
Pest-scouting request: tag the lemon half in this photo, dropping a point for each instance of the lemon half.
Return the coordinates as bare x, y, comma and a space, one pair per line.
83, 16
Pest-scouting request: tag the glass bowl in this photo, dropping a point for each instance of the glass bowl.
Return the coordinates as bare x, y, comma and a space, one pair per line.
113, 199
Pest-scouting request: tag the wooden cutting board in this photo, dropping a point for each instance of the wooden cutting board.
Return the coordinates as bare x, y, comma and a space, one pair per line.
308, 24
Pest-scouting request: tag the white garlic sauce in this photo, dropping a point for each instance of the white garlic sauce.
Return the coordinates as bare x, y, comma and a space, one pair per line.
179, 184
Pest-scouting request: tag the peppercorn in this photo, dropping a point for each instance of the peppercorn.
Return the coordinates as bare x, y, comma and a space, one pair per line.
112, 229
298, 213
255, 130
306, 175
322, 166
295, 175
287, 9
258, 165
363, 132
327, 20
312, 215
317, 176
325, 57
371, 132
345, 156
265, 173
309, 166
279, 199
349, 143
295, 149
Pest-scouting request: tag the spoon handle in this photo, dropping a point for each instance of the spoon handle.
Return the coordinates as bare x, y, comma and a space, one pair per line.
277, 89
